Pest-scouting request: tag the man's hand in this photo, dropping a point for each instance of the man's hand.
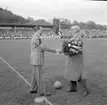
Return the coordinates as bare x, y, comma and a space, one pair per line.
58, 51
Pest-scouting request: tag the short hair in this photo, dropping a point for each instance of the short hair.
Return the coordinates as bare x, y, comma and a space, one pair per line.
36, 28
75, 27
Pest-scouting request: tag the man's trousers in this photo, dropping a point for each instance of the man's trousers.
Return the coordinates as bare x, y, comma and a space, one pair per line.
37, 79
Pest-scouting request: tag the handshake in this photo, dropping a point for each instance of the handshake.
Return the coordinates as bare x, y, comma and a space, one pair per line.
58, 51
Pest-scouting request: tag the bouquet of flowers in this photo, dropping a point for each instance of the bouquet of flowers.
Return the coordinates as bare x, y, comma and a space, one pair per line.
72, 47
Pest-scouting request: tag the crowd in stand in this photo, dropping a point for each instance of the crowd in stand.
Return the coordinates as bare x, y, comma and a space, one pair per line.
27, 33
19, 32
90, 33
95, 33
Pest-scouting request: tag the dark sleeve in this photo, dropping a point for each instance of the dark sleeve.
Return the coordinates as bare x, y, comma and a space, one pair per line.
81, 44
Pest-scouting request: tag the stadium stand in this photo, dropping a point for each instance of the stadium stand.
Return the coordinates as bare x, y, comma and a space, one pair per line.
26, 33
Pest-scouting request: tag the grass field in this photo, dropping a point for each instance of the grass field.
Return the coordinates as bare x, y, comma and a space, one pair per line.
17, 54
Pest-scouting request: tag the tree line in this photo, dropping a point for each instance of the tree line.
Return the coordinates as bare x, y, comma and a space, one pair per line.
7, 16
66, 24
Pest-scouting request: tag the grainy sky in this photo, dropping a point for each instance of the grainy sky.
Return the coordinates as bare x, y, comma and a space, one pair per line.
80, 10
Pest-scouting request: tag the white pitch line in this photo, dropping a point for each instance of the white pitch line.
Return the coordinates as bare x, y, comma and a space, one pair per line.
15, 71
22, 77
48, 101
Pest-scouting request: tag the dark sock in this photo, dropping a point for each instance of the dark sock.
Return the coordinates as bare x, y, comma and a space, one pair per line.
74, 85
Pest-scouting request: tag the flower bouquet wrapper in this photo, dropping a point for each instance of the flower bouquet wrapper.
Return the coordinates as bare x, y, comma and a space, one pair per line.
73, 47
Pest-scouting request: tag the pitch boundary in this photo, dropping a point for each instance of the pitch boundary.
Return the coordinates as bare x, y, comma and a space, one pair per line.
15, 71
22, 77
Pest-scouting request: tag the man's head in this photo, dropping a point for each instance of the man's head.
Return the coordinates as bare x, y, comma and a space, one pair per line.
38, 30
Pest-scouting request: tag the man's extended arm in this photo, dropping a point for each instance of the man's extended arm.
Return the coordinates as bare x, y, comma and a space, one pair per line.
45, 48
